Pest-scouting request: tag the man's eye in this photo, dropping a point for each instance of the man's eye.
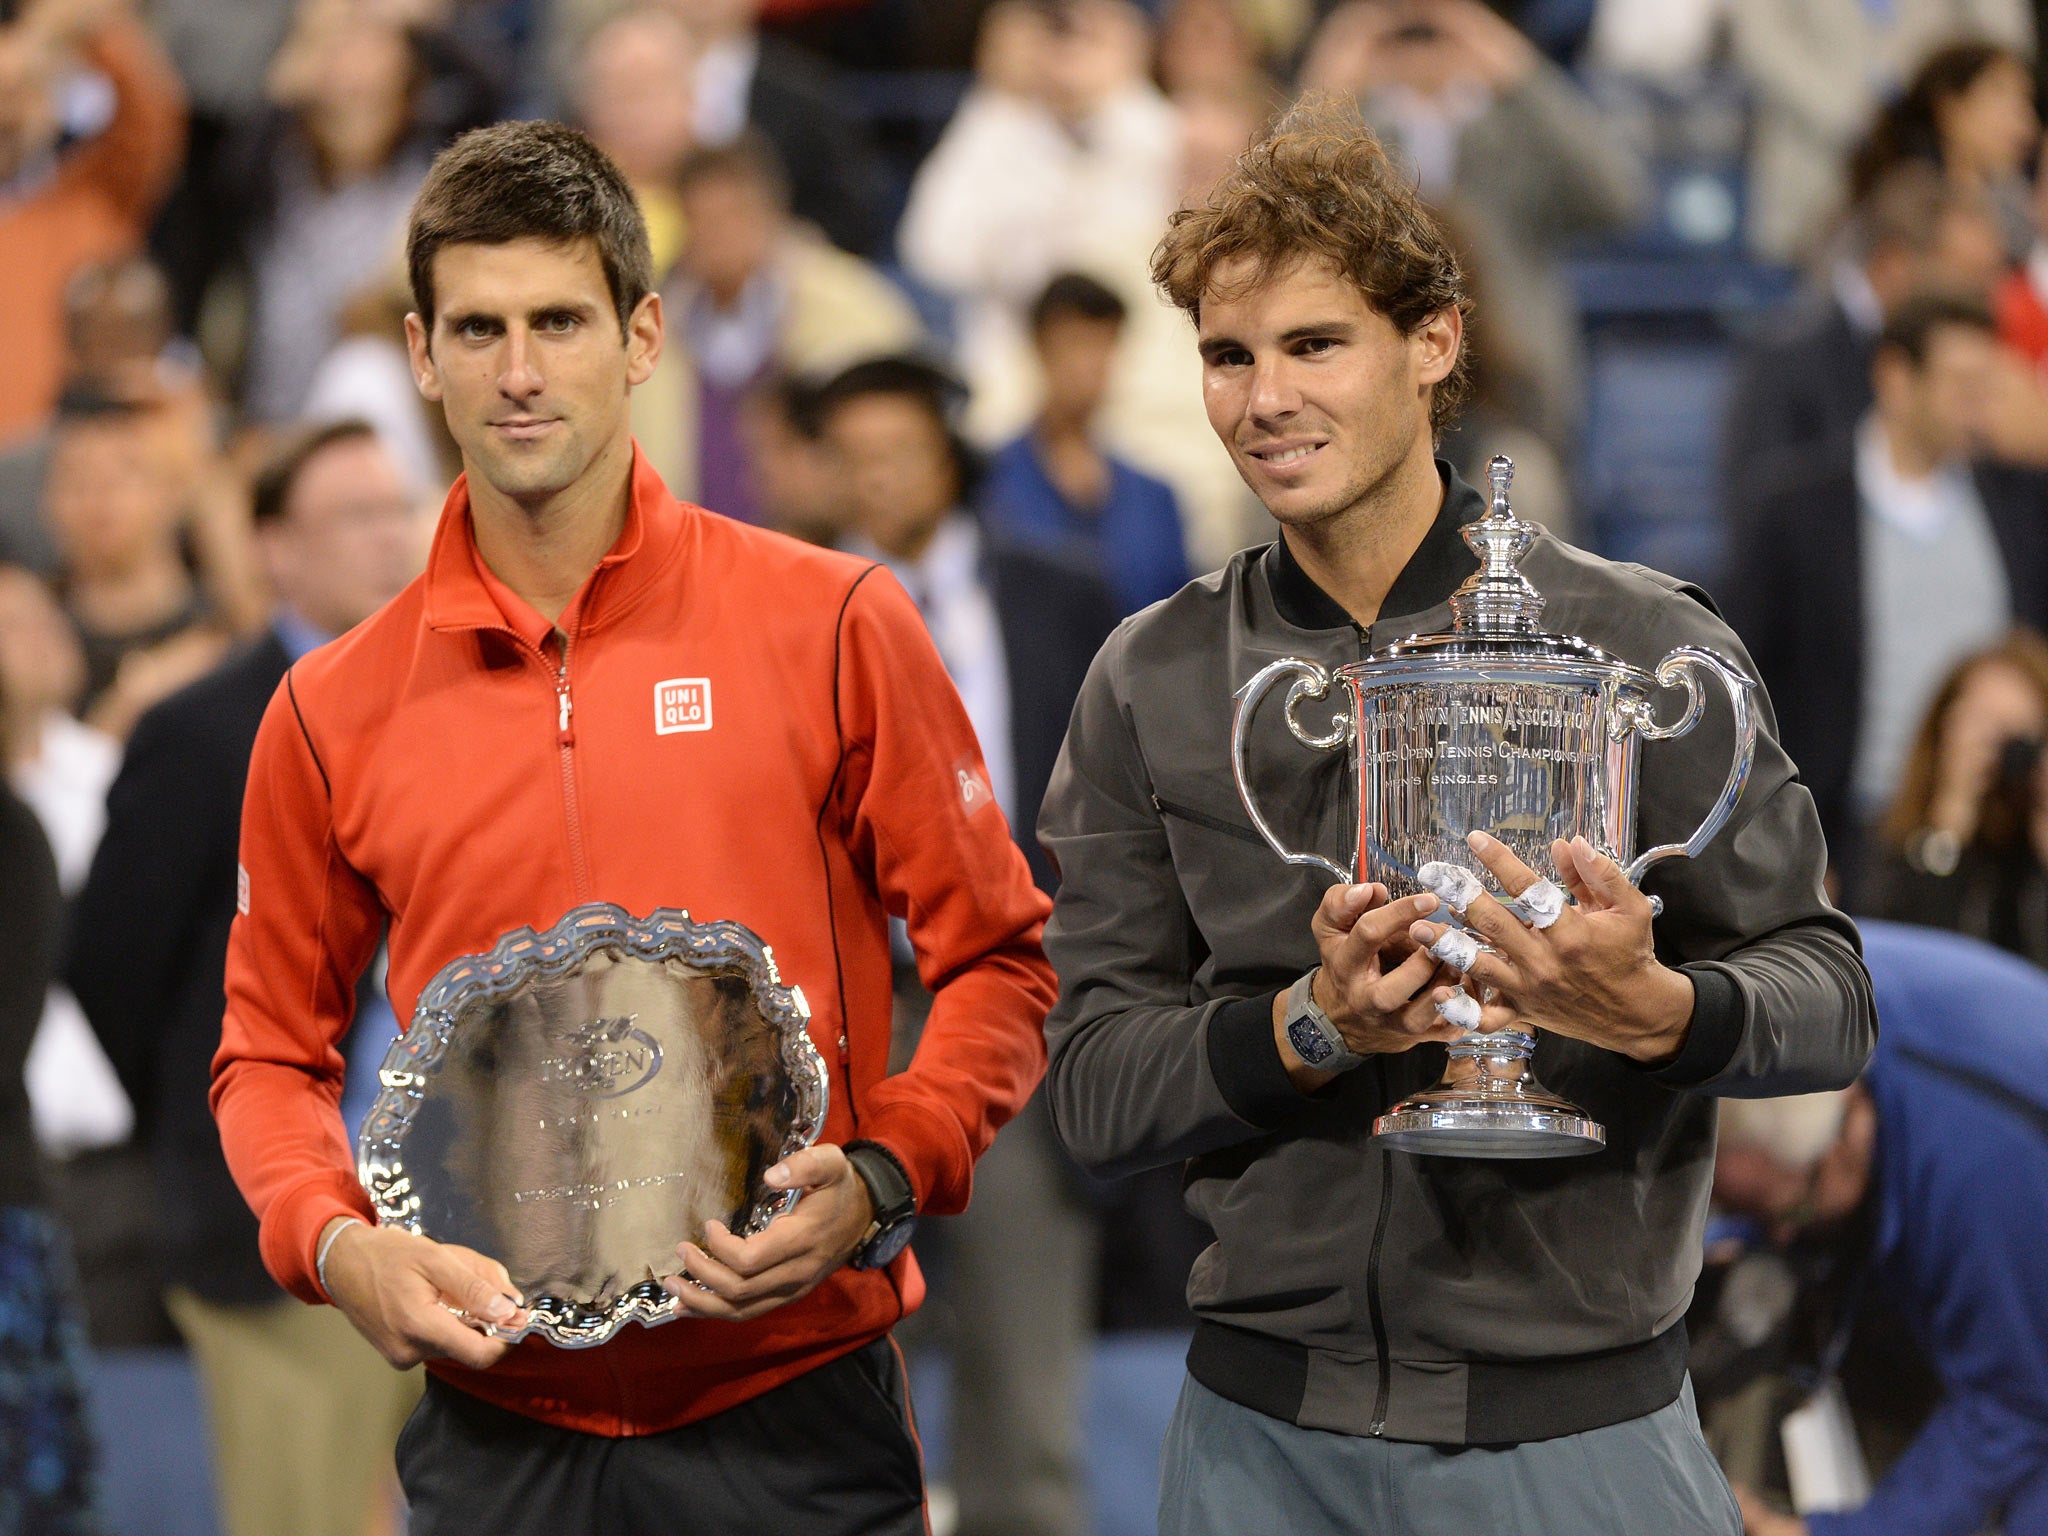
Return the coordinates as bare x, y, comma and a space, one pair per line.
558, 323
1315, 346
474, 330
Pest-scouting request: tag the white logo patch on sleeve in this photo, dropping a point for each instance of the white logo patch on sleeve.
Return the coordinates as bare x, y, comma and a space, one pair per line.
974, 786
682, 704
242, 889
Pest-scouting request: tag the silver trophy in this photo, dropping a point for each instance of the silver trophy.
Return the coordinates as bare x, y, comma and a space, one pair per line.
577, 1102
1501, 728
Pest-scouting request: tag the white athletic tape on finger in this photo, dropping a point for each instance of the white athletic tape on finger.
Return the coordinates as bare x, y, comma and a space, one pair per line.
1452, 884
1540, 905
1457, 949
1461, 1009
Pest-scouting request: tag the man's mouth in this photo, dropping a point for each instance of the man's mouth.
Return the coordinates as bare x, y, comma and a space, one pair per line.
1282, 455
520, 428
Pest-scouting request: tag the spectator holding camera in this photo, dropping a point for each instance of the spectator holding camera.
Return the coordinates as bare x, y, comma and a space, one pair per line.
1965, 844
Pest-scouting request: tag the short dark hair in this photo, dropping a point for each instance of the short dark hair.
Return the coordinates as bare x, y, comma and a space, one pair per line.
751, 158
1320, 187
1076, 296
520, 181
1910, 330
926, 385
280, 473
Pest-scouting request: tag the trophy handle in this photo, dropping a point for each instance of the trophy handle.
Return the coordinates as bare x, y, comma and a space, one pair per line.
1313, 682
1682, 668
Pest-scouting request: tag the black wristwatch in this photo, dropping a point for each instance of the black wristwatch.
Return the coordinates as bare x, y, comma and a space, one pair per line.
895, 1203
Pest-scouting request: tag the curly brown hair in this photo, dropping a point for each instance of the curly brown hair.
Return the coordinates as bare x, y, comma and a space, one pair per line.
1319, 187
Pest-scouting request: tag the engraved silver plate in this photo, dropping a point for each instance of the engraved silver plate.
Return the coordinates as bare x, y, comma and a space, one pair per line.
1502, 728
577, 1102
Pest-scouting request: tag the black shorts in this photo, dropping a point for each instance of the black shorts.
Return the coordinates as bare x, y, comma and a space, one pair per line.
832, 1453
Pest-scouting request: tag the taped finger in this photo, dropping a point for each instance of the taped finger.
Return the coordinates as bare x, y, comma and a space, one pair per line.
1457, 949
1540, 905
1461, 1009
1452, 884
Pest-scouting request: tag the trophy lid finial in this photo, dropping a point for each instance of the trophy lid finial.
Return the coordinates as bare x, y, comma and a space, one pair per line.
1498, 598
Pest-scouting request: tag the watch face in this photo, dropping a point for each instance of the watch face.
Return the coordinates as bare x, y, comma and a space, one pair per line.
1309, 1042
888, 1243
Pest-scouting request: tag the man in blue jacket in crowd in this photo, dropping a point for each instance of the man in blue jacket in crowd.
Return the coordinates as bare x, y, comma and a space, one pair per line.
1947, 1137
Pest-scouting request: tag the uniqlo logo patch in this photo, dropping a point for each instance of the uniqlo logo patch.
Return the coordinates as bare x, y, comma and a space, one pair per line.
242, 890
682, 704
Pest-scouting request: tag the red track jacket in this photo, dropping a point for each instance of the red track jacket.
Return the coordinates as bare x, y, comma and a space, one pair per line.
743, 726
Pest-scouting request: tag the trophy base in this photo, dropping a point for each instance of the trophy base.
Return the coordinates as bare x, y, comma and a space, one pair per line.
1467, 1126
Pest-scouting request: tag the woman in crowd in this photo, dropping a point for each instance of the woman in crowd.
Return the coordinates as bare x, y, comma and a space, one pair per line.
45, 1451
1965, 844
1969, 111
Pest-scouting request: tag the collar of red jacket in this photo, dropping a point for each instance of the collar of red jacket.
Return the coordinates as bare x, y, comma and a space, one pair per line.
462, 594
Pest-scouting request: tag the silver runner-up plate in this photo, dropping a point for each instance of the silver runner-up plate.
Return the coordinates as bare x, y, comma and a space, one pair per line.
575, 1103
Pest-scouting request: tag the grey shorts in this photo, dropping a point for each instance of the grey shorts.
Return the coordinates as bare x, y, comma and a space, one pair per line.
1228, 1470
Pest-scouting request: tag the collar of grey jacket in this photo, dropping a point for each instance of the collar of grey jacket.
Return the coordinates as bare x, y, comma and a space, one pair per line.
1432, 573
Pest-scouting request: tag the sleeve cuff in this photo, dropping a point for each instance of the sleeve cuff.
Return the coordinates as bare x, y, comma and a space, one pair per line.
1244, 1058
1714, 1034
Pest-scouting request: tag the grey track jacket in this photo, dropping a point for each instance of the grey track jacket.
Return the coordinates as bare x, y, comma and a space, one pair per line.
1350, 1288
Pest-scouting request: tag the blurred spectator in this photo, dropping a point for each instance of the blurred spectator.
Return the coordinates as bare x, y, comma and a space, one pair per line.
58, 765
1930, 1176
745, 78
1802, 376
1064, 157
1017, 630
84, 160
368, 375
1969, 112
212, 234
46, 1454
1492, 129
1817, 71
332, 190
1965, 844
634, 81
797, 487
1056, 486
118, 343
1867, 569
115, 512
303, 1412
61, 769
755, 294
1229, 48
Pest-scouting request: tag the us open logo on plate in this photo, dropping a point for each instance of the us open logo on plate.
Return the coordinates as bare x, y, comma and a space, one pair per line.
682, 704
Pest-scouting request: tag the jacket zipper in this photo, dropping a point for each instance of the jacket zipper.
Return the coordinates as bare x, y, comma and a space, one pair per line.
565, 739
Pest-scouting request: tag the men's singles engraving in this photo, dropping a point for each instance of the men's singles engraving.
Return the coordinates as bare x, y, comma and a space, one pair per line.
576, 1102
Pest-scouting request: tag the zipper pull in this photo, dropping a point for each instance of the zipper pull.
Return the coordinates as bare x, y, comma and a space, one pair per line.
562, 726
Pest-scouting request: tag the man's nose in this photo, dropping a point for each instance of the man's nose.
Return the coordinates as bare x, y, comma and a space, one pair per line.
520, 379
1273, 394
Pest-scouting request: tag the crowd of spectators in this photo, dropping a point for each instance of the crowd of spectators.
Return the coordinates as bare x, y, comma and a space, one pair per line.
903, 251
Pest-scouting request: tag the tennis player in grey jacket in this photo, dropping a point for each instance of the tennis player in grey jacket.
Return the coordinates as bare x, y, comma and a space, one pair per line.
1496, 1345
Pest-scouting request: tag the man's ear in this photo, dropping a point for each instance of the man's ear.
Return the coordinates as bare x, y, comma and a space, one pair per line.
644, 335
426, 373
1437, 342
